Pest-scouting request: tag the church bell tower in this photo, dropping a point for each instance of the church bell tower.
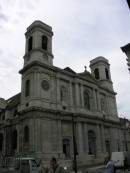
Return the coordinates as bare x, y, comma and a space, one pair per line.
100, 69
38, 44
38, 62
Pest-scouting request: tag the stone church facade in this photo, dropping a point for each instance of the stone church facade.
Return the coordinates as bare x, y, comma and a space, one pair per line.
38, 120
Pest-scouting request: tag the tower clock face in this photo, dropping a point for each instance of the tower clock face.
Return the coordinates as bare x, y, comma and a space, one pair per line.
45, 85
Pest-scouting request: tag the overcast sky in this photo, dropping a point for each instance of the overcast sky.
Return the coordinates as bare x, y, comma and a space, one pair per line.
83, 30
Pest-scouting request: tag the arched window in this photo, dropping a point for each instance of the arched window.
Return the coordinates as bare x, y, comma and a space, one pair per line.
26, 134
107, 74
86, 100
66, 147
15, 113
96, 73
1, 141
30, 43
44, 42
14, 139
27, 88
3, 117
92, 142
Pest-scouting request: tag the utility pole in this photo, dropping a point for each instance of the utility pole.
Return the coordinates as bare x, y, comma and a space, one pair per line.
74, 145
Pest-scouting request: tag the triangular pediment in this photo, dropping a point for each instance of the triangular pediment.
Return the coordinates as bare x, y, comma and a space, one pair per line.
88, 76
69, 70
13, 101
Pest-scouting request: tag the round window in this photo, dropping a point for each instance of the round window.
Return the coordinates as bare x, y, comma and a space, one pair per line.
45, 85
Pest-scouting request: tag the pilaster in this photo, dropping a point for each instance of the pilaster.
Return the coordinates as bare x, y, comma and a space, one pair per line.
80, 138
38, 85
95, 100
98, 138
58, 90
59, 137
77, 94
98, 100
71, 96
55, 136
82, 99
39, 135
103, 138
86, 147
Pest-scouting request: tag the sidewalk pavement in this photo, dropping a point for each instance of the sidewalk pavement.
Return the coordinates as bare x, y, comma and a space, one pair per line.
87, 169
95, 169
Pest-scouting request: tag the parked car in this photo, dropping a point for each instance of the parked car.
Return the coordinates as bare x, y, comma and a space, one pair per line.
27, 165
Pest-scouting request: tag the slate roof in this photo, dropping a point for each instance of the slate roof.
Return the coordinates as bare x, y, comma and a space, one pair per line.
126, 48
13, 101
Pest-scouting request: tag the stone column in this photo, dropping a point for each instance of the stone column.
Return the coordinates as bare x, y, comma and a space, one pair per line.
112, 141
38, 85
98, 138
120, 140
34, 85
107, 104
86, 147
53, 94
95, 100
17, 150
21, 136
98, 100
71, 96
82, 98
35, 134
103, 138
58, 90
80, 138
59, 137
76, 93
55, 137
39, 135
31, 137
22, 89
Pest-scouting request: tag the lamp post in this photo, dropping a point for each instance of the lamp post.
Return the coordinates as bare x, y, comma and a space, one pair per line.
74, 145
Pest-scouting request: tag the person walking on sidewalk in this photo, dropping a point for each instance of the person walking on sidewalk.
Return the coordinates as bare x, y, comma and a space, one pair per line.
109, 168
54, 167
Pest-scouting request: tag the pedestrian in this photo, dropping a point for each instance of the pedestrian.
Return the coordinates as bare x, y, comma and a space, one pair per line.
40, 166
55, 167
109, 168
46, 169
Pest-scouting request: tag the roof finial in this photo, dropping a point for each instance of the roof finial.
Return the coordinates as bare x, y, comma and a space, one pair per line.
85, 68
